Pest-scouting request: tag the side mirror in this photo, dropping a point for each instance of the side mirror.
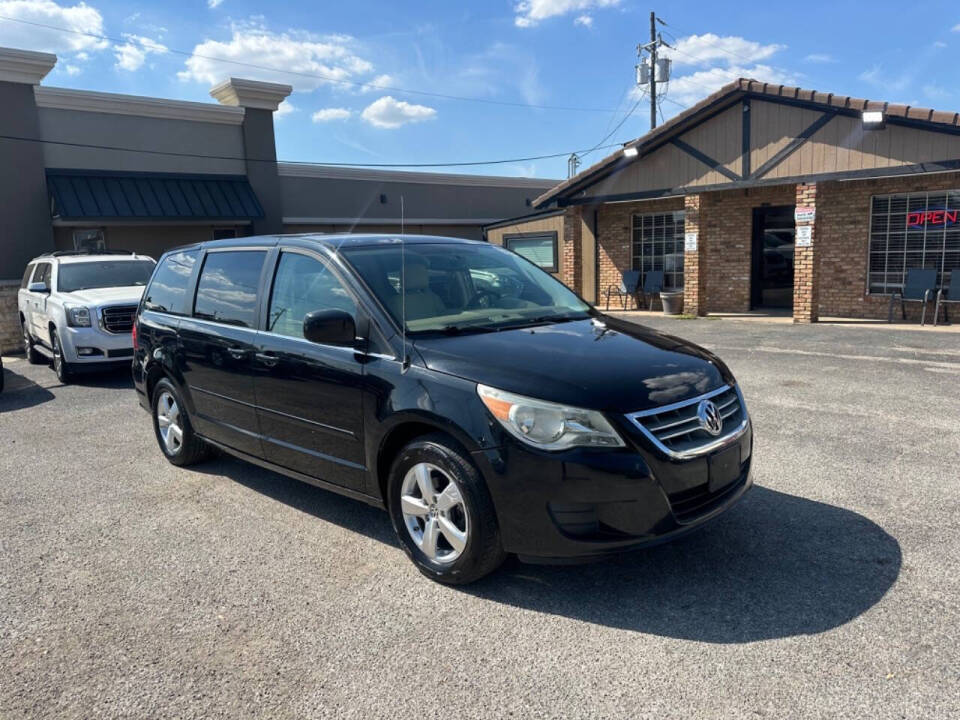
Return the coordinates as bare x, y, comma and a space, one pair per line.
40, 287
330, 327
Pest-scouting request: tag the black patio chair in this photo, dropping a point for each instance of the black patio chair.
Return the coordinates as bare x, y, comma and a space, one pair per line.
629, 286
952, 295
652, 285
919, 287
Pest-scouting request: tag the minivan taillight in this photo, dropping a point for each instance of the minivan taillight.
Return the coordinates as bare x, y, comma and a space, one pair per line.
133, 333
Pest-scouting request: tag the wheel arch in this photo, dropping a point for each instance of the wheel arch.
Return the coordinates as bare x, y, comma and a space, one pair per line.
404, 431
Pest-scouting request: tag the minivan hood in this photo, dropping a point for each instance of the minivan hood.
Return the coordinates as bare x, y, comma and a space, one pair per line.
114, 295
606, 364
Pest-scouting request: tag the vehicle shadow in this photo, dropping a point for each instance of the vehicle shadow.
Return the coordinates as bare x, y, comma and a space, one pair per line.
20, 393
777, 565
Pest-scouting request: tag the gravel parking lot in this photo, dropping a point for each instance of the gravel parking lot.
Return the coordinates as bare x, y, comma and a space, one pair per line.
131, 588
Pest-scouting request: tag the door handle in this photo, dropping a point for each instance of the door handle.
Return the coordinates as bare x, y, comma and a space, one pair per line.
268, 359
237, 353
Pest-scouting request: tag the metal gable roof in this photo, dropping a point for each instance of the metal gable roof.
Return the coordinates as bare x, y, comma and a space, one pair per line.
99, 195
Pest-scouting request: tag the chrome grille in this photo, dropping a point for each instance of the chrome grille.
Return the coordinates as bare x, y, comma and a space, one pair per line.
118, 319
676, 429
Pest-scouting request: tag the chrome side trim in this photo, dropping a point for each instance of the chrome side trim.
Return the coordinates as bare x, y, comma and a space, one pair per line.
701, 449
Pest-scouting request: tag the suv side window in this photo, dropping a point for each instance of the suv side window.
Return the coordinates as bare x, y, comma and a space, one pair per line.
302, 285
26, 275
169, 284
42, 274
227, 289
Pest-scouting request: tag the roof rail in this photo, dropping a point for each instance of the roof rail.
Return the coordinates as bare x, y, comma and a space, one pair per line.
90, 251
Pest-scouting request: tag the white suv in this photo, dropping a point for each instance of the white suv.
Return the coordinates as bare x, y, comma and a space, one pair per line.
77, 307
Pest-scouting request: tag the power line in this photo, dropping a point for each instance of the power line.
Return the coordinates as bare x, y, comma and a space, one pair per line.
325, 78
171, 153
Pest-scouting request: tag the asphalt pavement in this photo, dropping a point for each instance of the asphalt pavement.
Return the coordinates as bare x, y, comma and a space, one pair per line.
132, 588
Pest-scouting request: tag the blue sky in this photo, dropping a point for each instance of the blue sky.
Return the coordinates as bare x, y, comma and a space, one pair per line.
557, 53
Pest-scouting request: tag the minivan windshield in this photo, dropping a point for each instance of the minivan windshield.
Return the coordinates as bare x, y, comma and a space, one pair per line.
459, 287
72, 277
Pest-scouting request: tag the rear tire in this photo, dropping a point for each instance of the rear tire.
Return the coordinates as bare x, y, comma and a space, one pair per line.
442, 512
33, 357
175, 435
60, 366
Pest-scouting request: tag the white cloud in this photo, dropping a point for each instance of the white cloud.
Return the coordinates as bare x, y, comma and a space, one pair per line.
939, 44
709, 48
530, 12
955, 28
820, 58
381, 81
584, 20
283, 109
80, 18
214, 3
935, 92
500, 67
389, 113
691, 89
886, 80
718, 60
133, 53
332, 57
330, 115
73, 70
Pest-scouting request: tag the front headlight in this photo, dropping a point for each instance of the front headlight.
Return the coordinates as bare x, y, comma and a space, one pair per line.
547, 425
77, 316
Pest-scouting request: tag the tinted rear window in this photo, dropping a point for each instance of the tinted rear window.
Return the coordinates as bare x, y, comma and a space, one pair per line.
169, 285
227, 289
26, 275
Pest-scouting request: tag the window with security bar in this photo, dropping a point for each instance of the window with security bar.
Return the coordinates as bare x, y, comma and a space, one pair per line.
658, 245
912, 230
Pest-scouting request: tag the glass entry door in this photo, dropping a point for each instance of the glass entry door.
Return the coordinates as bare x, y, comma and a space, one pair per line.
773, 245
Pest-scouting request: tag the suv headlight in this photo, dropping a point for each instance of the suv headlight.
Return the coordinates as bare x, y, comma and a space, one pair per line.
77, 315
547, 425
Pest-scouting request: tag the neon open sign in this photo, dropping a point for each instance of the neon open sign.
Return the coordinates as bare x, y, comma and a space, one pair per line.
933, 217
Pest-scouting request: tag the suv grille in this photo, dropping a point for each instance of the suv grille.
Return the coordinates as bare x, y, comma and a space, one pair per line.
676, 429
119, 318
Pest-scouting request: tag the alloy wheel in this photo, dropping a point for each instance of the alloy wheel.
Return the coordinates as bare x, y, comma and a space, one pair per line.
57, 356
169, 423
434, 513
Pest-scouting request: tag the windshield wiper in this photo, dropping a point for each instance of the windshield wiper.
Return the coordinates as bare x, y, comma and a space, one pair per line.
540, 320
463, 329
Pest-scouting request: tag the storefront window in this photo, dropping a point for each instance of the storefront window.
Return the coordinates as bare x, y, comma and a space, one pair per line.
658, 245
913, 230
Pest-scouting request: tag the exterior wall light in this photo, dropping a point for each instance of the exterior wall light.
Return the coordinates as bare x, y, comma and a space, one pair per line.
873, 120
630, 152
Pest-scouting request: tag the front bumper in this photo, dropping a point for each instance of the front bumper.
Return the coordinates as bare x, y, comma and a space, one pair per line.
585, 504
94, 346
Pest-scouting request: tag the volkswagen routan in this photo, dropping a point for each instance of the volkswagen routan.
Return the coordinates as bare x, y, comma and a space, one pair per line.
482, 403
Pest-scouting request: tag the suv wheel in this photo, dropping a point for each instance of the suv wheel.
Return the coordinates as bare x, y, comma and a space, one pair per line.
60, 366
442, 512
171, 424
33, 357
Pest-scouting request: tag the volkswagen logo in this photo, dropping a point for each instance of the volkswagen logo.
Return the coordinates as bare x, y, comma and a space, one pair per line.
709, 416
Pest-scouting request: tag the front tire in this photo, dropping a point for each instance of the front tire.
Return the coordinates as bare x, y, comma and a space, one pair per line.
171, 425
442, 512
60, 366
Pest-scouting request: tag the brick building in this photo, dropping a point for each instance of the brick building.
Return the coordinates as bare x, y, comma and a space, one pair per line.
766, 196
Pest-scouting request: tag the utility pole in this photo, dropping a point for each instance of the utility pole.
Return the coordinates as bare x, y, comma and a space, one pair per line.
653, 69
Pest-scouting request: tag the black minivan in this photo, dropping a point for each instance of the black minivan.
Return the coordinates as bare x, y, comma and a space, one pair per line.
484, 404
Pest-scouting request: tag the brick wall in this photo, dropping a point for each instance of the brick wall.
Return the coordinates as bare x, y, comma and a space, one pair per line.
726, 221
9, 319
843, 228
615, 237
806, 268
571, 260
694, 262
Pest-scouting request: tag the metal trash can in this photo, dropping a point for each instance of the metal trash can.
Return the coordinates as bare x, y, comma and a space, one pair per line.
672, 302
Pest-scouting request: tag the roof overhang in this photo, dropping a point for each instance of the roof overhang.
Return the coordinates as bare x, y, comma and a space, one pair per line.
728, 96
